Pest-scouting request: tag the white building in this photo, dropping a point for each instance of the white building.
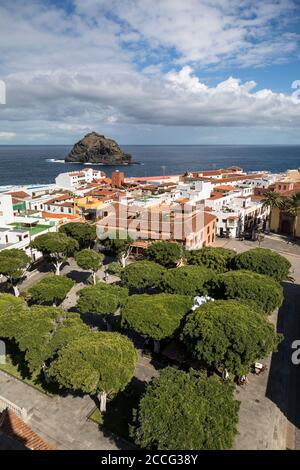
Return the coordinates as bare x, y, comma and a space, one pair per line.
74, 179
238, 215
6, 209
194, 191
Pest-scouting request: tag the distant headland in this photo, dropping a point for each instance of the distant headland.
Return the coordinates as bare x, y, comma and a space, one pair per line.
96, 148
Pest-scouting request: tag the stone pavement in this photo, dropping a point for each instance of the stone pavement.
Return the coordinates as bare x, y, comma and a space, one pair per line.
62, 420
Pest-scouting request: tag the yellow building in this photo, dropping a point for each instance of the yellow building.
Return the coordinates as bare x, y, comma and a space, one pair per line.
283, 223
87, 206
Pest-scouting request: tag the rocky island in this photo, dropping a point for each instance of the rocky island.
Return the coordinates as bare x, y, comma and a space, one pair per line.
95, 148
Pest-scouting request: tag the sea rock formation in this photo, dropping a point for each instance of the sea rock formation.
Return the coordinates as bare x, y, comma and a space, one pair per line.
95, 148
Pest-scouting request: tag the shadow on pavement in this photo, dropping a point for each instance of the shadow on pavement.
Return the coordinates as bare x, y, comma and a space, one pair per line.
284, 376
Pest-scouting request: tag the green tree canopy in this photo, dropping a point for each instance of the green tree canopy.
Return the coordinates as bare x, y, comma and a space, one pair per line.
100, 363
13, 264
155, 316
142, 275
103, 299
8, 302
83, 232
114, 268
247, 285
56, 247
50, 290
165, 253
228, 333
187, 280
264, 261
186, 411
89, 259
117, 246
40, 331
216, 258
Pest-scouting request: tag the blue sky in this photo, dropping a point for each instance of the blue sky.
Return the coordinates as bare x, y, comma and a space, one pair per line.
184, 72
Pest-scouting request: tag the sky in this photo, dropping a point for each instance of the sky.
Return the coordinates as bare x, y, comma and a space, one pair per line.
150, 72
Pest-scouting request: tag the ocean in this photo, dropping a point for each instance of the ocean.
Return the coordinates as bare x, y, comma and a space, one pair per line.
42, 163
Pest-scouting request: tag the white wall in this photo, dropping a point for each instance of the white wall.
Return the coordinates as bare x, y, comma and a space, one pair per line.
6, 210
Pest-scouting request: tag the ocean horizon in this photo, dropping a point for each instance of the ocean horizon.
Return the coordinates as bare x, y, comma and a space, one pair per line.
34, 164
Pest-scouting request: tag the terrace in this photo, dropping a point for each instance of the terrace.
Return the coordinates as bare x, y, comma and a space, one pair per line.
33, 228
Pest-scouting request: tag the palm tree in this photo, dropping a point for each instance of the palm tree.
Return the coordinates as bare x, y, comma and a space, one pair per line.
291, 207
272, 200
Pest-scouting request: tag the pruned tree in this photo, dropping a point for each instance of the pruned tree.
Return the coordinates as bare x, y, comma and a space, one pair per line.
165, 253
264, 261
83, 232
250, 286
142, 275
13, 265
90, 260
102, 299
216, 258
40, 332
50, 290
119, 247
188, 280
99, 364
55, 247
186, 411
114, 268
227, 333
155, 316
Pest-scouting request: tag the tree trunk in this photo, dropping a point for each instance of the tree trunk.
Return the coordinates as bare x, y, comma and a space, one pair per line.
123, 261
295, 226
44, 369
16, 291
103, 399
94, 278
156, 346
57, 268
108, 325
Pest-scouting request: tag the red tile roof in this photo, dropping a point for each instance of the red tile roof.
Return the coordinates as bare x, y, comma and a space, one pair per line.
49, 215
13, 426
224, 187
216, 196
19, 194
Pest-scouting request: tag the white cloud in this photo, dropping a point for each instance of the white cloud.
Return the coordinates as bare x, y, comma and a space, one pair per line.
248, 32
7, 135
68, 73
